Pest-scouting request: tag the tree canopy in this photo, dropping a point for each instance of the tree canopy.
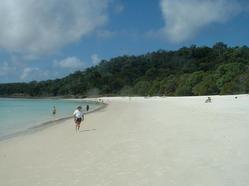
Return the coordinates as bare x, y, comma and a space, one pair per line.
185, 72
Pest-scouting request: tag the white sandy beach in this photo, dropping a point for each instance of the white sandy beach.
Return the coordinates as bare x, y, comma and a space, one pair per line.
138, 142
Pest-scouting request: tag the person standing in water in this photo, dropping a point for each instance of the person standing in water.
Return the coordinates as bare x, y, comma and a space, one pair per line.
87, 108
78, 117
54, 111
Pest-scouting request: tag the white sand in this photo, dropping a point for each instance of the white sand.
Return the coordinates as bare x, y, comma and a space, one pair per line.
142, 142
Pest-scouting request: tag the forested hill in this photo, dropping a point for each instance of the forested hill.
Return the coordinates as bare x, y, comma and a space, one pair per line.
187, 71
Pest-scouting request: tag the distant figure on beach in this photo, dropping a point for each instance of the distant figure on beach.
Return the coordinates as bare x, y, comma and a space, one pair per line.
54, 110
78, 117
87, 108
236, 97
208, 100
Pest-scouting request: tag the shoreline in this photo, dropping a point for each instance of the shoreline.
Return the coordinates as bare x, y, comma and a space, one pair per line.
148, 141
47, 124
50, 123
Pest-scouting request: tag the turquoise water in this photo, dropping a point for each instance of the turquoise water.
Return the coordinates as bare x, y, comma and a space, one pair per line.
18, 115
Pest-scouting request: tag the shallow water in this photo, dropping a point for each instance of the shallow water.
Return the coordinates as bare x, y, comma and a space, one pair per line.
21, 114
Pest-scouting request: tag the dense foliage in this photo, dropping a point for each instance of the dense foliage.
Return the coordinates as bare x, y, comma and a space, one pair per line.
187, 71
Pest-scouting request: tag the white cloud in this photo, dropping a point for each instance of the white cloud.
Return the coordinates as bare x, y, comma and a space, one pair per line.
33, 73
40, 27
27, 71
69, 63
16, 69
4, 69
10, 67
95, 59
185, 18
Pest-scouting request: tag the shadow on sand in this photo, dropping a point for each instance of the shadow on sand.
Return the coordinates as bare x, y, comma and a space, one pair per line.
87, 130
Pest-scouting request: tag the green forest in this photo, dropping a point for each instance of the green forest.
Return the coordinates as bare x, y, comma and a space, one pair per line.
193, 70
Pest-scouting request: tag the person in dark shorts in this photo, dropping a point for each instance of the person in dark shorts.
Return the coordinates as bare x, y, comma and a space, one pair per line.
78, 117
54, 111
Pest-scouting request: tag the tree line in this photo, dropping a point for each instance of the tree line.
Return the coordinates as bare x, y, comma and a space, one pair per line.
185, 72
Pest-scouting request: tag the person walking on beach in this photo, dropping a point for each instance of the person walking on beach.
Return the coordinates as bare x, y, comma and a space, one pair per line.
54, 111
78, 117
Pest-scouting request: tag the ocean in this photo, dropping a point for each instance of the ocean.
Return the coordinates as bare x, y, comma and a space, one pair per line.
19, 115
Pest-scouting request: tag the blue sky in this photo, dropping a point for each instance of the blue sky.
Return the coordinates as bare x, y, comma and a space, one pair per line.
49, 39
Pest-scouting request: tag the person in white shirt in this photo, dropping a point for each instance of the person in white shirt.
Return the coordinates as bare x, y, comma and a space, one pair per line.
78, 117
